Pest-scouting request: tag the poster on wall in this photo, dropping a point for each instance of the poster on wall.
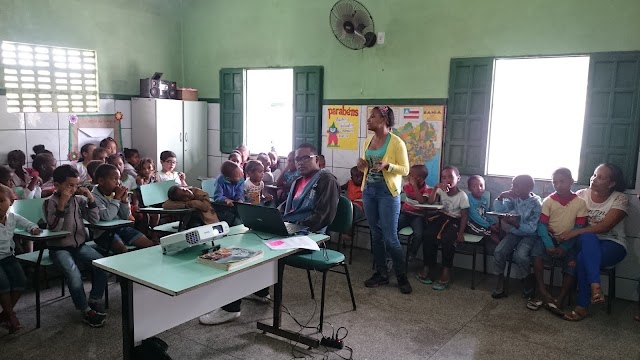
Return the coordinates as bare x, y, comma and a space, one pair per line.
421, 128
342, 127
92, 128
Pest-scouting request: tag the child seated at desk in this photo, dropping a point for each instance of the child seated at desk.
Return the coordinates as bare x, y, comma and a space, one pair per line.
86, 155
65, 211
417, 192
189, 197
267, 178
353, 190
447, 227
229, 188
286, 177
168, 162
26, 178
479, 223
523, 235
44, 163
112, 200
253, 185
146, 172
12, 278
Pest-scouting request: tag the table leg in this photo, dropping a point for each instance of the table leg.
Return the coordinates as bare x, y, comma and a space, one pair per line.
128, 344
277, 316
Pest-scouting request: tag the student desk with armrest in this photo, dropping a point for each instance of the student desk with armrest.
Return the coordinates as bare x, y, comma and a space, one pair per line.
160, 291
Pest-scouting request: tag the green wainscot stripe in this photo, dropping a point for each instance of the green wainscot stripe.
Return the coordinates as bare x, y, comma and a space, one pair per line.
414, 101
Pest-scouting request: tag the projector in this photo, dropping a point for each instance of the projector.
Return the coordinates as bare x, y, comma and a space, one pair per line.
192, 237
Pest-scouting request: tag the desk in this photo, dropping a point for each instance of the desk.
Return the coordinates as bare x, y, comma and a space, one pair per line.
160, 291
43, 236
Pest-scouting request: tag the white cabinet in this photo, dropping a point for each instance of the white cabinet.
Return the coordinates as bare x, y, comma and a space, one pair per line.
179, 126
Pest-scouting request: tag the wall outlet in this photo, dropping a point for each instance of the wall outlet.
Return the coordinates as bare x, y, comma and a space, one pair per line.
381, 38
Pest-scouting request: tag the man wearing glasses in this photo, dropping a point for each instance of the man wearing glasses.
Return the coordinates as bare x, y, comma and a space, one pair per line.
313, 197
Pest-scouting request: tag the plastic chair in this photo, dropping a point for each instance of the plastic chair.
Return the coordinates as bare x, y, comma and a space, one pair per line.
153, 195
343, 222
611, 295
325, 260
209, 185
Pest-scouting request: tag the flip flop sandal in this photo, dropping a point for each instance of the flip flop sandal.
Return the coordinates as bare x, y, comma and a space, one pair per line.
597, 298
554, 309
534, 305
424, 280
439, 286
573, 316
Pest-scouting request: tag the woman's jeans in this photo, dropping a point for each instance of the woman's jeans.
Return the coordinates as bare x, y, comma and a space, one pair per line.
594, 254
382, 210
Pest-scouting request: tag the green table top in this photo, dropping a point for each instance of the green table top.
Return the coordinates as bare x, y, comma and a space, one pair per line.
44, 235
178, 273
109, 224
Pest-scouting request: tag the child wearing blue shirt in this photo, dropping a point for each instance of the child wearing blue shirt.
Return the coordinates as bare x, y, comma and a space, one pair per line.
229, 188
479, 223
525, 208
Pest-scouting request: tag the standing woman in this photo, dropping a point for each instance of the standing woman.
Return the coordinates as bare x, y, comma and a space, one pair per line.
384, 164
602, 243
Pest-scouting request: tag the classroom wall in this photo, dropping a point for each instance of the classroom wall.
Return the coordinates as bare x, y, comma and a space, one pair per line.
421, 37
133, 39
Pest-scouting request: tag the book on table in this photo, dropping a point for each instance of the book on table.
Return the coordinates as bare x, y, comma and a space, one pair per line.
229, 258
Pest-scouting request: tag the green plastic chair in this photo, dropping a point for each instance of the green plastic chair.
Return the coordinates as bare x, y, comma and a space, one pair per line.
325, 260
343, 222
151, 198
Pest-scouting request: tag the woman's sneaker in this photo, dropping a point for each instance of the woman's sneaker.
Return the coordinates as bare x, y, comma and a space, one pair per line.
376, 280
93, 318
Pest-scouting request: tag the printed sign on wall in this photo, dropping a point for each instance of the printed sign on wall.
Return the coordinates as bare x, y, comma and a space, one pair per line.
343, 127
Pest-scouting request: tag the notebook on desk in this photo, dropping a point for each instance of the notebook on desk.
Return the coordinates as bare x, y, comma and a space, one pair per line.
266, 219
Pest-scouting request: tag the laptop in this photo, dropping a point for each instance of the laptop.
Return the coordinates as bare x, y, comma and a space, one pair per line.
266, 219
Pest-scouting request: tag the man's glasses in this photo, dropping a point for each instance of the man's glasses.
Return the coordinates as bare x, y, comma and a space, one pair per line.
304, 159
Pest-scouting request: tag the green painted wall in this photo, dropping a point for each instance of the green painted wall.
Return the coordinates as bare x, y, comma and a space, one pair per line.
421, 37
133, 38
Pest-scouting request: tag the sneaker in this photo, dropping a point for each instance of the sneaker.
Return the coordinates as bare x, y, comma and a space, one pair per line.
404, 285
94, 319
218, 316
376, 280
260, 299
95, 306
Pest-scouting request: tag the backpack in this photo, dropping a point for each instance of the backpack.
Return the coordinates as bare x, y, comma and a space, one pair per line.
152, 348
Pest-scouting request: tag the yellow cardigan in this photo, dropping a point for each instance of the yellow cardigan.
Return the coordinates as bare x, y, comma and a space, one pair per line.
398, 160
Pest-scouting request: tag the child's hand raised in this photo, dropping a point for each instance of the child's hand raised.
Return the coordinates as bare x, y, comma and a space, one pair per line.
442, 186
35, 231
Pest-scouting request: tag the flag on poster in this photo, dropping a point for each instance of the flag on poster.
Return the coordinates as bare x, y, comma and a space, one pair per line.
411, 114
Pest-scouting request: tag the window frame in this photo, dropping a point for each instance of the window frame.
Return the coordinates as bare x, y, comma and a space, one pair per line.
460, 145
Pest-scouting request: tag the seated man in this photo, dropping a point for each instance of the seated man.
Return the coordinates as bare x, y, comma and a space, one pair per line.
312, 202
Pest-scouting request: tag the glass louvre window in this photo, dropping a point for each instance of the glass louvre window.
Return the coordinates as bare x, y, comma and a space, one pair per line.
40, 78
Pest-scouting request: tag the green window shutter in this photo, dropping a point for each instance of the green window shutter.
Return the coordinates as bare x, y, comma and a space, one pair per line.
231, 108
467, 126
307, 105
611, 116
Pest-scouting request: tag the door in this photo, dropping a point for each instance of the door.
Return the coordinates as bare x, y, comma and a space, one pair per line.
170, 132
307, 106
195, 139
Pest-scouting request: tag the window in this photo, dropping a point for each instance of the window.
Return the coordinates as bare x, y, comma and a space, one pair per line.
41, 78
269, 110
503, 114
537, 115
270, 107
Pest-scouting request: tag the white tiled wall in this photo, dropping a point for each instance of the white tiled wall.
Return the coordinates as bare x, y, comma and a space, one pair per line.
23, 131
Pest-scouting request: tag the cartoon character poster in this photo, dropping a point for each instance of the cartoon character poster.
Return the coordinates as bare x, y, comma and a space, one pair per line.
342, 127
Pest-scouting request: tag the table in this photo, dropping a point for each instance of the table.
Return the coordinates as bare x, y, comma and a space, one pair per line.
43, 236
160, 291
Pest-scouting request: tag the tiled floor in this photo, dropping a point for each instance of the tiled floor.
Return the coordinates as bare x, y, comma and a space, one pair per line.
458, 323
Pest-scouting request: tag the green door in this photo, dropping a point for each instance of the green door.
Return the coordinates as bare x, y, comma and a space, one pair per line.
231, 109
468, 111
307, 105
611, 115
